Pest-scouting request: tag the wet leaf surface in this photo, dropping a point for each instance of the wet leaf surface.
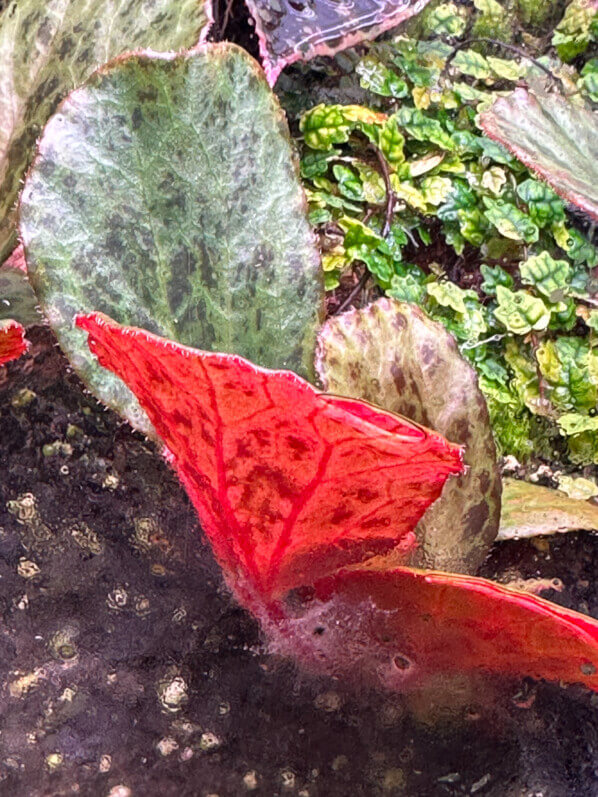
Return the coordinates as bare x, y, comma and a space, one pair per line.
529, 510
164, 193
554, 138
291, 31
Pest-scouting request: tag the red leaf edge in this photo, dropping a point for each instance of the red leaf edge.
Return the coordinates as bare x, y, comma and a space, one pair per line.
444, 622
271, 525
12, 341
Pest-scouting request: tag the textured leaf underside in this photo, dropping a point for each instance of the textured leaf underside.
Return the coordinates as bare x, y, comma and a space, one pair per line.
393, 355
290, 31
12, 341
165, 194
529, 510
554, 138
48, 47
289, 483
408, 625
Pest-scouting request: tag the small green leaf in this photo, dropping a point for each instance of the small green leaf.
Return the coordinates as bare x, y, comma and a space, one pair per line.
506, 68
435, 189
447, 19
314, 164
331, 280
589, 80
565, 366
423, 128
378, 78
391, 141
335, 261
493, 277
407, 288
571, 423
494, 179
510, 221
580, 250
520, 312
349, 184
374, 190
544, 205
324, 126
592, 320
572, 35
472, 225
360, 240
409, 194
469, 62
550, 277
448, 294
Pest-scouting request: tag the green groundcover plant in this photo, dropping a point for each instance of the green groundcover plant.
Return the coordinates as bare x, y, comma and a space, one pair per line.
402, 179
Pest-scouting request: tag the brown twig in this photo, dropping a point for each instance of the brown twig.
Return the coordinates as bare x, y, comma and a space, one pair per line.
355, 292
497, 43
390, 194
225, 19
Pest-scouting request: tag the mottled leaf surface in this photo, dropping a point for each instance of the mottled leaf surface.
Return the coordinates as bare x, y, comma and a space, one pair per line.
393, 355
529, 510
288, 483
12, 341
290, 31
165, 194
399, 628
555, 138
48, 47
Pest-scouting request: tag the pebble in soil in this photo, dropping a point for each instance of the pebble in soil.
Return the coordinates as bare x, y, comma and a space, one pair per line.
127, 669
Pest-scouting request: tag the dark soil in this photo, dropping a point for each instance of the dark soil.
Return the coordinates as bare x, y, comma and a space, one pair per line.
128, 670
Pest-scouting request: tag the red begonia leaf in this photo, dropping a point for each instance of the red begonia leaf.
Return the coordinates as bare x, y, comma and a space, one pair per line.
294, 30
398, 628
289, 483
12, 341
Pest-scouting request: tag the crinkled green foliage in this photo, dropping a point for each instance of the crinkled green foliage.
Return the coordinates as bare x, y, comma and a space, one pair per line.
536, 279
445, 19
190, 223
575, 31
48, 48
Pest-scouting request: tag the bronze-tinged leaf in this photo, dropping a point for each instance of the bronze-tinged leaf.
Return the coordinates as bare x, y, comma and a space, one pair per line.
290, 31
394, 356
554, 138
289, 483
401, 628
529, 510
